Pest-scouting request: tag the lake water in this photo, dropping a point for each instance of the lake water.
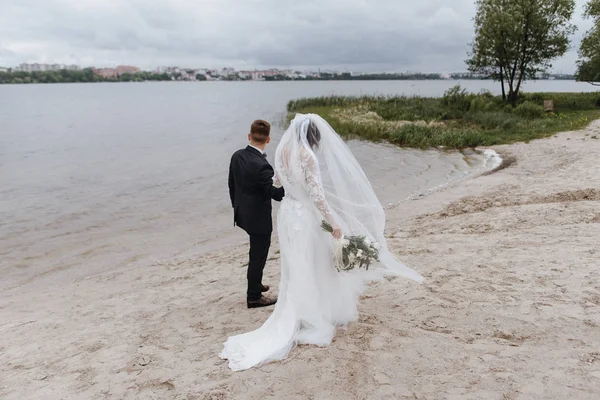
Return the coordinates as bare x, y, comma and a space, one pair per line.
96, 177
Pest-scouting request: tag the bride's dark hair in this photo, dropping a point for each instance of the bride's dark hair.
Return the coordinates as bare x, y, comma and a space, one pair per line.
313, 136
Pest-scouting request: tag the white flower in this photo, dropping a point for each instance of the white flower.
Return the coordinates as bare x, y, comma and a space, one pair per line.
367, 242
345, 242
351, 258
359, 253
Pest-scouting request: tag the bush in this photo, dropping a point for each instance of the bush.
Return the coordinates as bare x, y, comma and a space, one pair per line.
482, 103
408, 109
493, 120
332, 101
564, 101
457, 99
530, 110
486, 94
421, 136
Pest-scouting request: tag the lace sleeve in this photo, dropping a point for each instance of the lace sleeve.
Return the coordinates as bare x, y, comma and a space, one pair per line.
312, 177
276, 181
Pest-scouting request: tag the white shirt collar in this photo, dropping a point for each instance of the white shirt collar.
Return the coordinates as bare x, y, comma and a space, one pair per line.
256, 148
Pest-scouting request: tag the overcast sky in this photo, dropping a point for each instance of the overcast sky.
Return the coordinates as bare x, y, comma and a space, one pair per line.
357, 35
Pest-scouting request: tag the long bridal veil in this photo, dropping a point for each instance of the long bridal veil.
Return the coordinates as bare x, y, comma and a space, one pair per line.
347, 189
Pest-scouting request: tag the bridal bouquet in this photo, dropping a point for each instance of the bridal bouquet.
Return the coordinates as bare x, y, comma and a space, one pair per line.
354, 252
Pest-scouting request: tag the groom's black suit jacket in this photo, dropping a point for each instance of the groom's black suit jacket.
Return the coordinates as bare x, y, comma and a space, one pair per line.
251, 190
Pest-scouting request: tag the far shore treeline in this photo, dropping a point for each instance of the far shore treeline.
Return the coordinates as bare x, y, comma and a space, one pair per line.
69, 76
88, 75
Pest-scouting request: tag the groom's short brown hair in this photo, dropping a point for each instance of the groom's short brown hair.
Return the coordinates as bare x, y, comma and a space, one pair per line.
260, 130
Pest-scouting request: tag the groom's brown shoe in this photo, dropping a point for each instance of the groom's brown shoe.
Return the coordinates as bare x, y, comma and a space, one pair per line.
265, 288
262, 302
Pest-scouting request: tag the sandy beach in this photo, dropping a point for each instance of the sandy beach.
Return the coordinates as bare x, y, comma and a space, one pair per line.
510, 308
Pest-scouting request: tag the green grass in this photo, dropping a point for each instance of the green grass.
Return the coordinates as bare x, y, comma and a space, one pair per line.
456, 120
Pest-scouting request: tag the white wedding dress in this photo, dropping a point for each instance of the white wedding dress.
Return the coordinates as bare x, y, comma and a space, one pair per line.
321, 183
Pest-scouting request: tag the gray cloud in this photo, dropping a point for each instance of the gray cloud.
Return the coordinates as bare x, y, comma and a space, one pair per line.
359, 35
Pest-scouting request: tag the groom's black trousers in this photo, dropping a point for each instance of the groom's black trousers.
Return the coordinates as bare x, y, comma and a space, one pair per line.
259, 251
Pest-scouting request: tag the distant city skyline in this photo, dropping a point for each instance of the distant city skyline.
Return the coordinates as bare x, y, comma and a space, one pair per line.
37, 66
130, 72
355, 35
56, 66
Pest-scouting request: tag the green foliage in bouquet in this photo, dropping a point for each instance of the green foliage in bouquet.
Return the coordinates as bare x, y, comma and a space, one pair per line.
356, 251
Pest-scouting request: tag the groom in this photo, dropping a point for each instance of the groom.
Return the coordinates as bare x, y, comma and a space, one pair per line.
251, 190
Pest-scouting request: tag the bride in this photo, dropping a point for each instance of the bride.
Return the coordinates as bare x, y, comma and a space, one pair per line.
323, 182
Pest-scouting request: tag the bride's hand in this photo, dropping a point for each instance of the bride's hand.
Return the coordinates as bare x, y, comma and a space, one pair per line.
337, 232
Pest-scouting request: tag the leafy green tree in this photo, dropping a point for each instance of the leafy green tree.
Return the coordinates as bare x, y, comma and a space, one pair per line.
588, 65
516, 40
126, 77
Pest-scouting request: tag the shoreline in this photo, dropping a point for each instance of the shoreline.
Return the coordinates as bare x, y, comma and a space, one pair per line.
492, 161
73, 258
509, 308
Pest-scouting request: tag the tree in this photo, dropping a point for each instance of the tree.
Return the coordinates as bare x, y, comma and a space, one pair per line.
588, 64
126, 77
516, 40
84, 75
